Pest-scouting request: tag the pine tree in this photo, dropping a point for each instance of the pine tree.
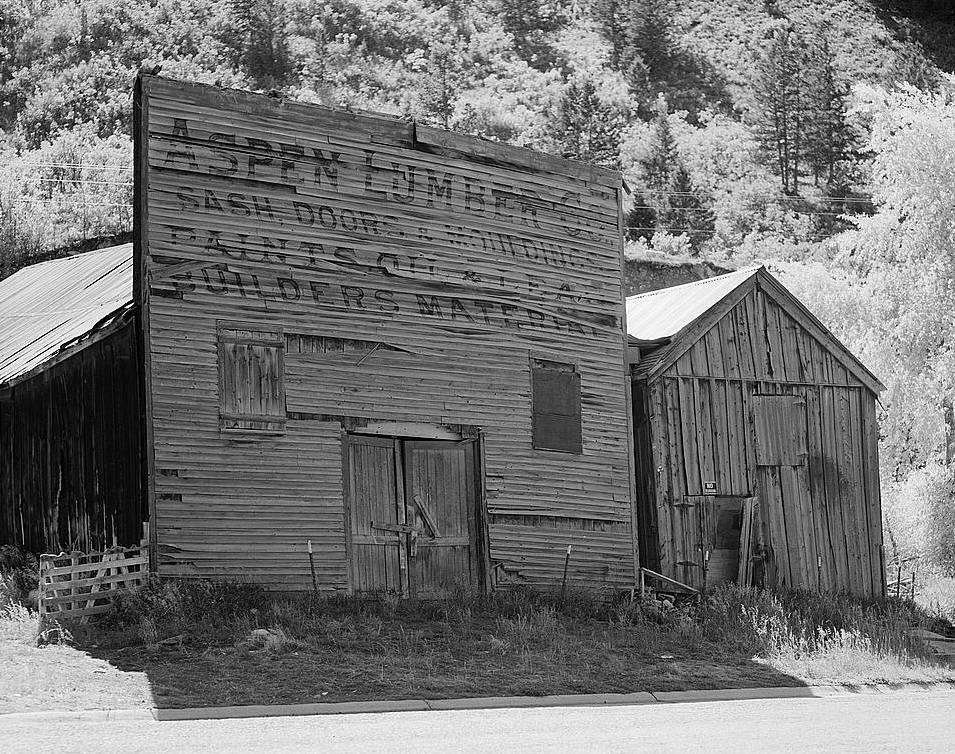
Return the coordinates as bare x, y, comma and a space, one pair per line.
661, 163
829, 138
676, 202
648, 36
442, 80
610, 16
782, 106
587, 128
262, 41
531, 23
688, 212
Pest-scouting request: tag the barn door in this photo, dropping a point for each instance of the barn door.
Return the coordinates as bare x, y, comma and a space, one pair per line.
440, 501
412, 505
378, 551
727, 532
784, 490
715, 540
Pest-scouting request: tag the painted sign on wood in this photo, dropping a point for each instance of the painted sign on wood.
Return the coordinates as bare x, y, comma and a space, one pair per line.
366, 271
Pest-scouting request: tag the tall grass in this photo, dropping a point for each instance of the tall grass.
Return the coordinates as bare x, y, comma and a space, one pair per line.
19, 577
806, 634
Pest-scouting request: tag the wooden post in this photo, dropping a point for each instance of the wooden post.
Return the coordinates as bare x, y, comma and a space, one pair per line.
311, 565
73, 591
563, 585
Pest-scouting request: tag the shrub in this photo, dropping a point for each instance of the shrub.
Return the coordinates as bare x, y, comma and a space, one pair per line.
19, 576
198, 608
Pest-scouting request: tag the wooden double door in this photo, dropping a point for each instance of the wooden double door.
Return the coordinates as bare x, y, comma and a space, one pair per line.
413, 515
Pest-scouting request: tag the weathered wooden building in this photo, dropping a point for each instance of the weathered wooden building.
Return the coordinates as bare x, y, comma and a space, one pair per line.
400, 345
70, 474
755, 440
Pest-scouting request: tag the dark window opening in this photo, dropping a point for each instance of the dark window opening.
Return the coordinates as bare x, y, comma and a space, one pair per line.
555, 394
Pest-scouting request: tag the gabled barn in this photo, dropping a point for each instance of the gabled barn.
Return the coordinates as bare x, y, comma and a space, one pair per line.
756, 440
70, 415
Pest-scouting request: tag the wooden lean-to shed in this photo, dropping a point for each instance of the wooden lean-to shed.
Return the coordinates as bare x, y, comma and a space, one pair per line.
755, 440
398, 348
70, 418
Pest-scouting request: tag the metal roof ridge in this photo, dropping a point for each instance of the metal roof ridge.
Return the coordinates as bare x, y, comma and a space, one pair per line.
749, 271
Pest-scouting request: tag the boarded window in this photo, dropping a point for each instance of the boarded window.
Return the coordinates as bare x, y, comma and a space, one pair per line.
251, 380
780, 430
556, 406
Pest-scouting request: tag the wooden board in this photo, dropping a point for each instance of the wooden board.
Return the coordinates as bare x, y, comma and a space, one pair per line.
440, 484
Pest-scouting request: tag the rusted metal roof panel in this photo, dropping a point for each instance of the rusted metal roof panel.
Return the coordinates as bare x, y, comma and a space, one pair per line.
660, 315
50, 305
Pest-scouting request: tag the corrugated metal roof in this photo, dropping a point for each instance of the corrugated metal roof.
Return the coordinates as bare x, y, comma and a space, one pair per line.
49, 305
660, 315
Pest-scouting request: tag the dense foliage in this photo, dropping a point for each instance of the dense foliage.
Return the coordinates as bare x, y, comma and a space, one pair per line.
816, 136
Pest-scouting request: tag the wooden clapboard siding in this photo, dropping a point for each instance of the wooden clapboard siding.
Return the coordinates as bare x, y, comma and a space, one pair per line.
394, 305
816, 473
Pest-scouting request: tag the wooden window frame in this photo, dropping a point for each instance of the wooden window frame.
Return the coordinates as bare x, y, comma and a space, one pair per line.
538, 443
242, 423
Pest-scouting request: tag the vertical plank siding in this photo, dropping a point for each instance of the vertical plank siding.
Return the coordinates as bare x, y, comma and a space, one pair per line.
816, 474
414, 276
70, 452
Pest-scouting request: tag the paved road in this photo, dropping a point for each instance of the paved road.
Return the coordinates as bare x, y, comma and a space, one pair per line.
906, 722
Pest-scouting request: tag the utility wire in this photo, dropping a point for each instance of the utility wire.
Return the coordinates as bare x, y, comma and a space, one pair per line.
81, 165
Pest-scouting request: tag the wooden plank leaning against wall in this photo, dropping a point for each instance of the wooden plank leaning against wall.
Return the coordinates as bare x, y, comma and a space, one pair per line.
414, 276
700, 425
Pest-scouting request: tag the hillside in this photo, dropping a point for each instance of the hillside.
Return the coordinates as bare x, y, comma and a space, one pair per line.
581, 79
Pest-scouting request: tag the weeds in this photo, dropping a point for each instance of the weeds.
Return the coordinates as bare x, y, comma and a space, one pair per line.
530, 636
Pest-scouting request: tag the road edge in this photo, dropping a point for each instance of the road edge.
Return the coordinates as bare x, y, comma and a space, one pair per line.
478, 703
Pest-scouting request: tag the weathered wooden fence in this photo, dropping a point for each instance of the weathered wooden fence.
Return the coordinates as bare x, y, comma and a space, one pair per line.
901, 577
76, 585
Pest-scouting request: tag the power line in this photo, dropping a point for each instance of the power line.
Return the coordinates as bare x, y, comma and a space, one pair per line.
84, 181
706, 209
81, 165
65, 202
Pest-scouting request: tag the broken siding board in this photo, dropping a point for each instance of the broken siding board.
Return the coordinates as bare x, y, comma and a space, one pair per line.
736, 436
837, 517
863, 510
857, 482
776, 353
677, 470
756, 319
726, 332
789, 535
742, 324
817, 486
847, 489
714, 352
873, 499
688, 436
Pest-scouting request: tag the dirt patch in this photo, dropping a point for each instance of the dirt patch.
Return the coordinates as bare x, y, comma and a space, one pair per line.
61, 677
